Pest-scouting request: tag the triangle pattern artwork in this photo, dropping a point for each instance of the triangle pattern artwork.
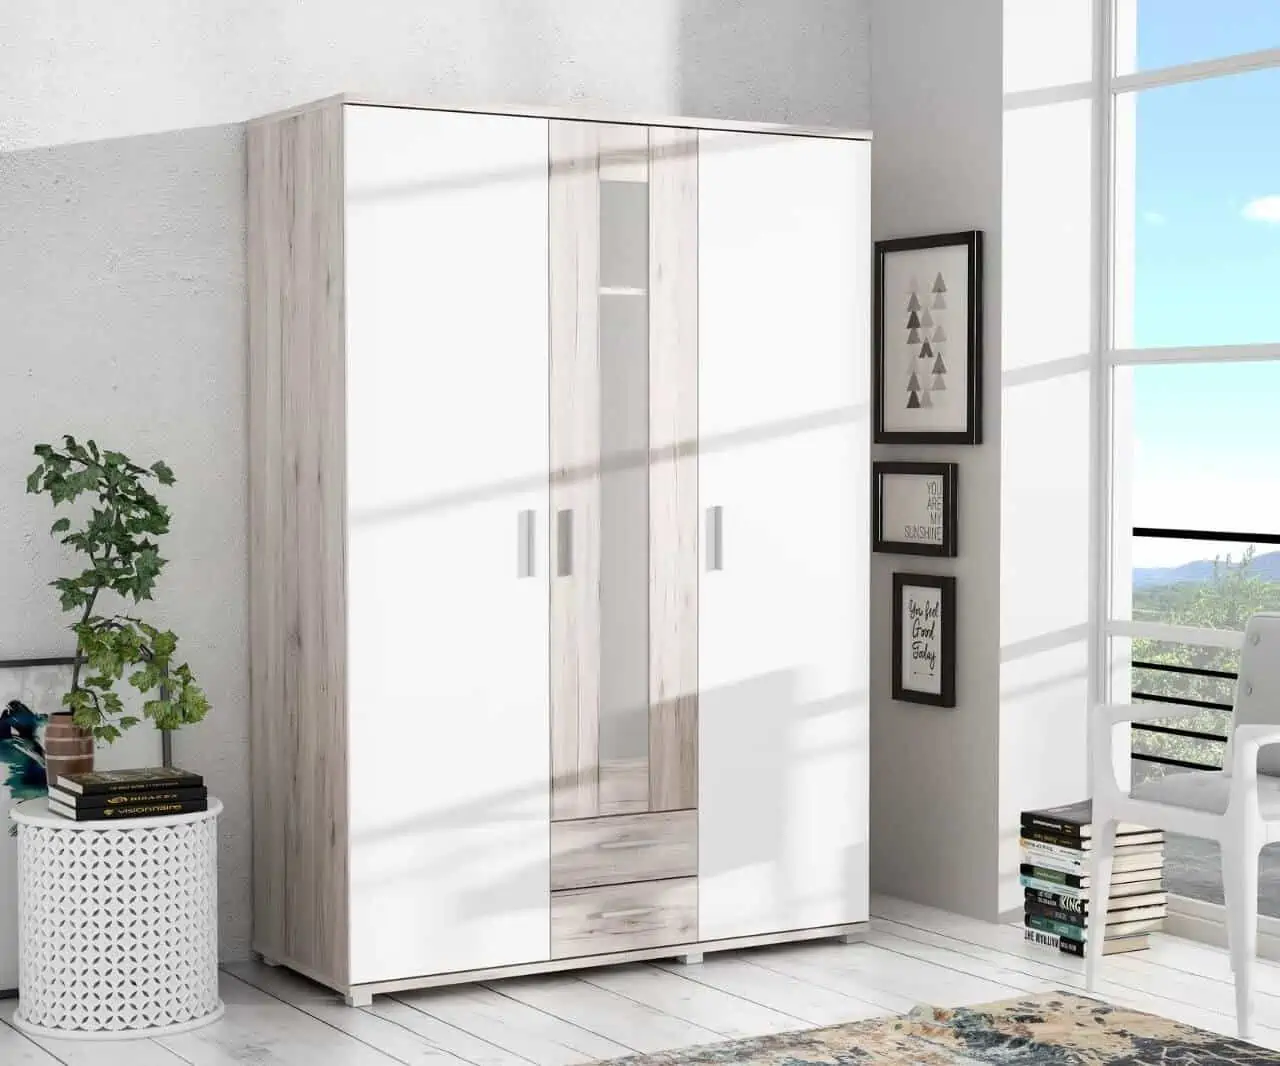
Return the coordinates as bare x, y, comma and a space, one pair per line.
923, 314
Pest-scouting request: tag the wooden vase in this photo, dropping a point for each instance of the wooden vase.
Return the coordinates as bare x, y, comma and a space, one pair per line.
68, 749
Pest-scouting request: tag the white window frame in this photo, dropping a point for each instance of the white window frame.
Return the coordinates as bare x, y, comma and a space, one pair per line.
1108, 87
1188, 917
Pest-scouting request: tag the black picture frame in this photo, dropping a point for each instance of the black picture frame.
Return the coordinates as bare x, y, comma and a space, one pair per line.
950, 474
972, 241
946, 696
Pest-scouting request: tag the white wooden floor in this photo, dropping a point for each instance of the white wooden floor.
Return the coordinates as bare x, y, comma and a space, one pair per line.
912, 955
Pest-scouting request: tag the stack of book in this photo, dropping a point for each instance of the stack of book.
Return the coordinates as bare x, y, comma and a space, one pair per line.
1056, 851
110, 795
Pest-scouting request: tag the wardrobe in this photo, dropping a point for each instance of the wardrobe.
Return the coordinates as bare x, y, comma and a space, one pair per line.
559, 459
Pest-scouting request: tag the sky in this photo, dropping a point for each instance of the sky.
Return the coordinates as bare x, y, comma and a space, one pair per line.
1207, 271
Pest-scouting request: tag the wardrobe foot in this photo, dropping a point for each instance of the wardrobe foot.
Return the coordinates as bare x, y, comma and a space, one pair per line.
691, 959
358, 997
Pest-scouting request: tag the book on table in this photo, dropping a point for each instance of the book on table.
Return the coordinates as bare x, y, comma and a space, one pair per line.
113, 795
144, 808
146, 779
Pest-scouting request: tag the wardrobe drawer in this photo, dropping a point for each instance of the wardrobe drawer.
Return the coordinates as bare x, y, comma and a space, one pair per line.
645, 914
624, 847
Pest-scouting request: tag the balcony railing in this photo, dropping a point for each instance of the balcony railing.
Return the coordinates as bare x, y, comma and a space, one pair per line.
1193, 704
1180, 701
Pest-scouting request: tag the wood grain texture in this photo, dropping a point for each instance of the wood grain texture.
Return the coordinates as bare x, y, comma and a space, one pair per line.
673, 470
633, 847
297, 537
624, 152
624, 785
587, 921
575, 473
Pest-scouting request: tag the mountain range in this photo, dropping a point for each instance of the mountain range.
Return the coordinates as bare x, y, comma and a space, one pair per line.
1264, 566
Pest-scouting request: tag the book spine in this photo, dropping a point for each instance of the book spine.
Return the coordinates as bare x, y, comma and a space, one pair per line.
1059, 877
1055, 914
1071, 947
1038, 936
137, 787
1055, 862
1064, 930
1036, 847
1056, 900
1044, 836
1069, 830
137, 810
84, 803
1049, 886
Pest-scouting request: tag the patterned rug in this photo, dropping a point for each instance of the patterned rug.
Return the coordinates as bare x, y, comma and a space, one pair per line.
1053, 1028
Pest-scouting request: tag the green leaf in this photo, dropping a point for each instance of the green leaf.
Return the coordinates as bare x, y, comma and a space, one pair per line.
162, 472
33, 480
60, 526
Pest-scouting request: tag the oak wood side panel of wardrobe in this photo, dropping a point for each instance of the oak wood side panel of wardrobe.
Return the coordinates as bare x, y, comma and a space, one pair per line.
673, 469
574, 212
297, 537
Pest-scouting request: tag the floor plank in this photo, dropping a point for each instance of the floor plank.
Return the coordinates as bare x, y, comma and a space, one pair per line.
96, 1053
443, 1035
17, 1050
533, 1034
633, 1025
401, 1044
259, 1028
911, 955
734, 973
710, 1008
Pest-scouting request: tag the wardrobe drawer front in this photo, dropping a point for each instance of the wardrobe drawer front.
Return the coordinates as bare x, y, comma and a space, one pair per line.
624, 847
647, 914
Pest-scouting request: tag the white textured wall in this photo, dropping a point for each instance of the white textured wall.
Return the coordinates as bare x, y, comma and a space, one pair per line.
1047, 437
936, 167
81, 70
122, 318
122, 262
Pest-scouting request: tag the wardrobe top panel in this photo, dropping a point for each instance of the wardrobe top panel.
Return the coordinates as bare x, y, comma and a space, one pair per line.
580, 114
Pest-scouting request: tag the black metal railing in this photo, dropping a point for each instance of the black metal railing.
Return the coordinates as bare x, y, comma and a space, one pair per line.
1193, 703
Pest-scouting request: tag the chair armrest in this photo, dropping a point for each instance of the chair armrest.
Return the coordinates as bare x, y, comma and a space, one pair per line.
1246, 742
1103, 718
1109, 715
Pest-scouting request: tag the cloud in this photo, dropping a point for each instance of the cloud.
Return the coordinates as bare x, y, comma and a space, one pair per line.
1154, 218
1263, 209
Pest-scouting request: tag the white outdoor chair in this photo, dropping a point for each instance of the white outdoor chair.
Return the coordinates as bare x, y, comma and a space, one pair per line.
1238, 806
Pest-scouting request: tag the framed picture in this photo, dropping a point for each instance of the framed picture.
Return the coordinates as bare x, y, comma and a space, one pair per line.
30, 691
924, 639
913, 508
927, 359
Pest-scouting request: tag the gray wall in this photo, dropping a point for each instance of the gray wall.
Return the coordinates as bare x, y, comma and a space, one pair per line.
122, 262
936, 167
77, 70
122, 318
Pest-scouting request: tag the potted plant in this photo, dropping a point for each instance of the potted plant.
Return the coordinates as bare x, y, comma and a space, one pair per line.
118, 537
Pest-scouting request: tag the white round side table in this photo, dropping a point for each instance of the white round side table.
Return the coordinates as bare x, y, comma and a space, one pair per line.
117, 925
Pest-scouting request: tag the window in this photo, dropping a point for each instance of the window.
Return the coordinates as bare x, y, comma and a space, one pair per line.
1192, 381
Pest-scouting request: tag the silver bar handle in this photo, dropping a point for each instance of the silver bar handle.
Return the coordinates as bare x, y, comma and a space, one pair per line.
627, 845
564, 543
630, 912
715, 538
526, 545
